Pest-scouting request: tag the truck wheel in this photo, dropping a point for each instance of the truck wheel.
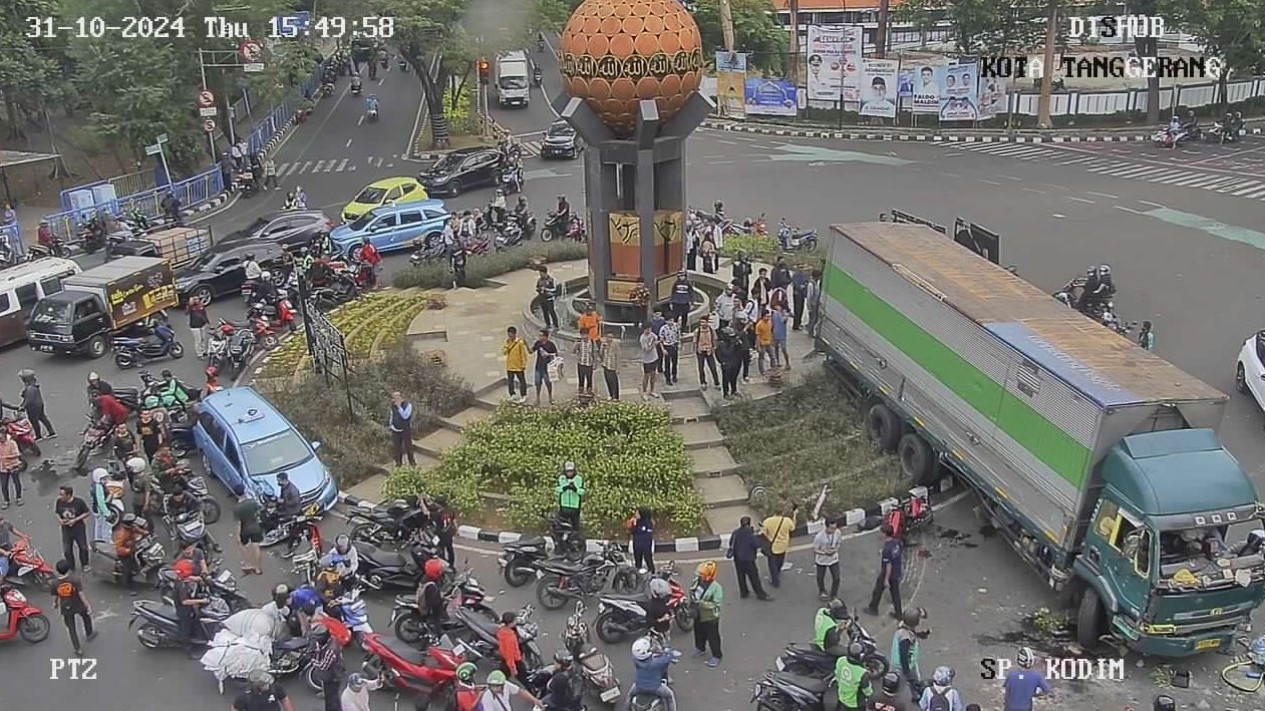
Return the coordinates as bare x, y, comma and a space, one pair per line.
1089, 619
883, 427
97, 347
917, 460
1240, 379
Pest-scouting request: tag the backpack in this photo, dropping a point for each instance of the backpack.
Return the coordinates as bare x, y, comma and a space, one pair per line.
939, 701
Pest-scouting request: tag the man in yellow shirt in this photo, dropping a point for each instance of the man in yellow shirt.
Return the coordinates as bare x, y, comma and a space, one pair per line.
764, 341
777, 530
515, 352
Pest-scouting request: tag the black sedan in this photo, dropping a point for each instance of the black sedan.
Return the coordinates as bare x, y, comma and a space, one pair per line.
218, 271
291, 229
560, 141
460, 170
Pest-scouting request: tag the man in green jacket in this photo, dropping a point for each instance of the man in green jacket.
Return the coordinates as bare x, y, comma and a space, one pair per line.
827, 627
570, 490
853, 679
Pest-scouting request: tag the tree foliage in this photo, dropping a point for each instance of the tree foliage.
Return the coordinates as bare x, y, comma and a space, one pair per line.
30, 67
755, 32
983, 26
1227, 29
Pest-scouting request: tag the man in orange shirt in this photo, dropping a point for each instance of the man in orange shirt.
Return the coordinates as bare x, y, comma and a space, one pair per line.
507, 645
591, 323
764, 341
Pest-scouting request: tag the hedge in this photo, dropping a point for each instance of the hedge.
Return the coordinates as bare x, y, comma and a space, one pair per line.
628, 454
436, 275
762, 248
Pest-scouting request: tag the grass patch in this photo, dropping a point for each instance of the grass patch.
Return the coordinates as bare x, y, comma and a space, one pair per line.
628, 454
761, 248
806, 437
487, 266
355, 449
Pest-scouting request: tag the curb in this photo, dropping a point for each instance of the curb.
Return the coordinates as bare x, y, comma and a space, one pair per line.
933, 137
854, 517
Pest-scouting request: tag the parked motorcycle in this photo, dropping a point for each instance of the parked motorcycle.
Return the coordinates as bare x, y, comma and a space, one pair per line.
95, 438
241, 348
521, 559
220, 584
55, 248
387, 569
478, 634
277, 529
620, 617
150, 558
428, 253
186, 529
350, 609
404, 668
510, 235
807, 660
218, 344
802, 240
25, 620
594, 667
398, 522
463, 593
561, 581
132, 352
784, 691
160, 628
27, 566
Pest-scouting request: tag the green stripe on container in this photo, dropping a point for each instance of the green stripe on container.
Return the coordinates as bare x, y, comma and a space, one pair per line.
1059, 450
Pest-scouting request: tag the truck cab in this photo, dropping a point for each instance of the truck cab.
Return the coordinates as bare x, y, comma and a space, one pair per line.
513, 87
71, 322
1160, 572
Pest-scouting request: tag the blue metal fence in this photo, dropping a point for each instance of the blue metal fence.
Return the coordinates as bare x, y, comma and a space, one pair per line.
191, 191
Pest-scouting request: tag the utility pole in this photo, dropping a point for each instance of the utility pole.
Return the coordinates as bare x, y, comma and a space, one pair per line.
1047, 76
727, 25
880, 34
793, 66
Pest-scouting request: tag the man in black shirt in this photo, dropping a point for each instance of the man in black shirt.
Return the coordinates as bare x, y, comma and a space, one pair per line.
67, 589
188, 600
888, 698
72, 514
264, 694
743, 548
561, 689
547, 290
545, 350
291, 506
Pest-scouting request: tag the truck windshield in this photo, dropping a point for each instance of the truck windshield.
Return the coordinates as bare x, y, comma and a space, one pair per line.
1194, 548
51, 312
513, 82
275, 453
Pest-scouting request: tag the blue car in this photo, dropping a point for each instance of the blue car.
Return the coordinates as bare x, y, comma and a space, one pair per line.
391, 227
245, 440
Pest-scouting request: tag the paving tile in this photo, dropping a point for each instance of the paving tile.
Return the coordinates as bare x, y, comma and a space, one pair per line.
721, 491
688, 409
437, 442
725, 519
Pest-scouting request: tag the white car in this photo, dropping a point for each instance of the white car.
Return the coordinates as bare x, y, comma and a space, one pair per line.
1249, 373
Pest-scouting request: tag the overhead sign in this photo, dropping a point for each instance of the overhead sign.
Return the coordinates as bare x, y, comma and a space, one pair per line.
206, 112
206, 98
154, 149
251, 51
208, 125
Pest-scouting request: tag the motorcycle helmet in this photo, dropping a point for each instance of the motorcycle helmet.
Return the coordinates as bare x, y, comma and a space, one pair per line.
562, 659
660, 588
838, 610
466, 672
342, 544
707, 571
184, 568
1164, 703
250, 256
27, 375
435, 568
1091, 271
135, 465
856, 651
499, 193
641, 649
99, 473
891, 683
265, 275
321, 634
1026, 658
496, 678
212, 372
151, 402
281, 594
943, 676
167, 374
1104, 270
93, 377
1064, 298
356, 682
911, 618
129, 519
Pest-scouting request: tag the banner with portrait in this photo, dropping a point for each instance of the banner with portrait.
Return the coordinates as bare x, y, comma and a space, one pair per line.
731, 82
771, 97
878, 95
958, 92
927, 79
825, 62
992, 96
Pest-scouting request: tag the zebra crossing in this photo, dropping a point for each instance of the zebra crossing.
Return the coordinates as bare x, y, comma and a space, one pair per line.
352, 164
1177, 175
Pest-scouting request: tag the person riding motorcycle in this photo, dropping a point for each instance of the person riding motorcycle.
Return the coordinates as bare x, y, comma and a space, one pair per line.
291, 201
182, 502
355, 83
430, 595
343, 557
251, 270
561, 693
537, 76
827, 627
853, 679
658, 616
371, 104
171, 392
889, 698
652, 668
303, 605
129, 532
112, 412
540, 41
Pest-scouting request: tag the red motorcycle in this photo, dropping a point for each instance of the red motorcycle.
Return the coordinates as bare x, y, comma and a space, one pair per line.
19, 427
425, 672
910, 517
574, 229
25, 619
27, 566
479, 244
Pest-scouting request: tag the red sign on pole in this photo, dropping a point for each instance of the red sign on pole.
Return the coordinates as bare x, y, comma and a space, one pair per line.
205, 99
252, 52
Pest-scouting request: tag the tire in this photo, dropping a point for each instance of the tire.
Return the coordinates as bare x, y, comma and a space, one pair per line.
455, 188
546, 235
309, 678
624, 582
1240, 379
917, 459
355, 253
203, 294
269, 342
362, 532
210, 510
876, 664
883, 427
123, 360
518, 576
150, 636
1089, 616
97, 347
177, 350
548, 600
684, 618
81, 459
271, 538
34, 629
410, 628
608, 630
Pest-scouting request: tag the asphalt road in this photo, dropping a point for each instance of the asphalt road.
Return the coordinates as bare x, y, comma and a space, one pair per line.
1195, 280
526, 122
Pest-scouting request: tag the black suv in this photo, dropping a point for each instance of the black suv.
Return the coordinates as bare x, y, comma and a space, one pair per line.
291, 229
218, 271
560, 141
461, 169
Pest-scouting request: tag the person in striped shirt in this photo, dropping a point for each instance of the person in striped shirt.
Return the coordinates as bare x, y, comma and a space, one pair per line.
610, 365
586, 352
670, 339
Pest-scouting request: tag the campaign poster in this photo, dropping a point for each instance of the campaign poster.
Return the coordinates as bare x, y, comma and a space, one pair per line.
731, 82
771, 97
958, 92
905, 84
825, 62
852, 47
878, 95
925, 96
992, 97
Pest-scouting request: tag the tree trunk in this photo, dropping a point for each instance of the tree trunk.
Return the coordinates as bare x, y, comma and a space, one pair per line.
1147, 47
15, 117
434, 93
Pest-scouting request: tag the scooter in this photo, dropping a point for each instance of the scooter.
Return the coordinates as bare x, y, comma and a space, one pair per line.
327, 89
187, 529
622, 616
1222, 133
133, 352
386, 569
425, 254
372, 115
55, 248
355, 88
425, 672
574, 229
784, 691
510, 235
218, 344
161, 626
645, 701
95, 437
27, 566
803, 240
478, 634
150, 557
563, 580
808, 660
240, 350
25, 620
520, 560
594, 667
19, 428
220, 584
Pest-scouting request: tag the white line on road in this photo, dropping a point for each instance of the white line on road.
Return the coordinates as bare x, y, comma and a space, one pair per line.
1058, 216
727, 143
304, 167
1034, 190
341, 166
990, 182
1011, 177
329, 168
1087, 202
1247, 188
1129, 209
319, 164
1152, 204
360, 121
378, 164
348, 143
951, 175
1106, 195
719, 162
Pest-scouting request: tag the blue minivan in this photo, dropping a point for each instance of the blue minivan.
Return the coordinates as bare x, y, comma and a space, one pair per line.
392, 227
244, 439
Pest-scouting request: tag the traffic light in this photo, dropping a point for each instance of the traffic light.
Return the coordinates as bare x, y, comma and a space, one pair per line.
485, 71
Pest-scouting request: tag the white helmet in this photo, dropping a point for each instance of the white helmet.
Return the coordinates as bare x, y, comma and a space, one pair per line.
265, 274
660, 588
1026, 658
641, 649
99, 473
136, 465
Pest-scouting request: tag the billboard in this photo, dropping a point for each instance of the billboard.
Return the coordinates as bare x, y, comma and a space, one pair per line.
926, 82
958, 92
771, 97
731, 82
830, 50
878, 95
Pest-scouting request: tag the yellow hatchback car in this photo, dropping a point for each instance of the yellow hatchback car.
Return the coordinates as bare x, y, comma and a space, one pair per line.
388, 191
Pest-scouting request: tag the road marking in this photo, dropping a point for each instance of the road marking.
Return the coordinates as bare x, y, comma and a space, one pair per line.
360, 121
1034, 190
378, 164
1106, 195
304, 167
348, 144
1247, 188
990, 182
1056, 187
719, 162
330, 168
1074, 162
727, 143
319, 164
1152, 204
341, 166
1058, 216
1129, 209
1011, 177
1077, 199
1209, 225
1256, 193
951, 175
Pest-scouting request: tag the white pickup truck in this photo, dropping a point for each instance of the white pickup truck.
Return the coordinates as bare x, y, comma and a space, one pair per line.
513, 85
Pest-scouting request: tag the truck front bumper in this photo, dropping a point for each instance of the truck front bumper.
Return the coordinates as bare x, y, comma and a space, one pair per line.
1183, 646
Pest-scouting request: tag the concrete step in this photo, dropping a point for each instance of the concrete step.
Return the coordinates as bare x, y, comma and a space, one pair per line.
721, 491
370, 489
424, 461
436, 443
700, 435
724, 519
689, 409
465, 418
712, 461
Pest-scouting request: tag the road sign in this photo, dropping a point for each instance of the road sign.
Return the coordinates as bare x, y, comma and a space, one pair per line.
162, 138
208, 112
206, 98
208, 125
253, 67
251, 51
154, 149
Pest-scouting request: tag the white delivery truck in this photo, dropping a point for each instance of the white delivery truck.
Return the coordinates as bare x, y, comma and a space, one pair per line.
513, 85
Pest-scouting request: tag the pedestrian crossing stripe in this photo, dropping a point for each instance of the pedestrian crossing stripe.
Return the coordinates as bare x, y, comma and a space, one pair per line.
349, 165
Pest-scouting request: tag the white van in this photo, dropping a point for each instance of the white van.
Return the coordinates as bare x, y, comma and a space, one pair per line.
22, 286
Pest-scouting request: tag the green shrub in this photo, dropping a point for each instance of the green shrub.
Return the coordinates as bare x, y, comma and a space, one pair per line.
766, 249
355, 449
460, 113
627, 453
486, 266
